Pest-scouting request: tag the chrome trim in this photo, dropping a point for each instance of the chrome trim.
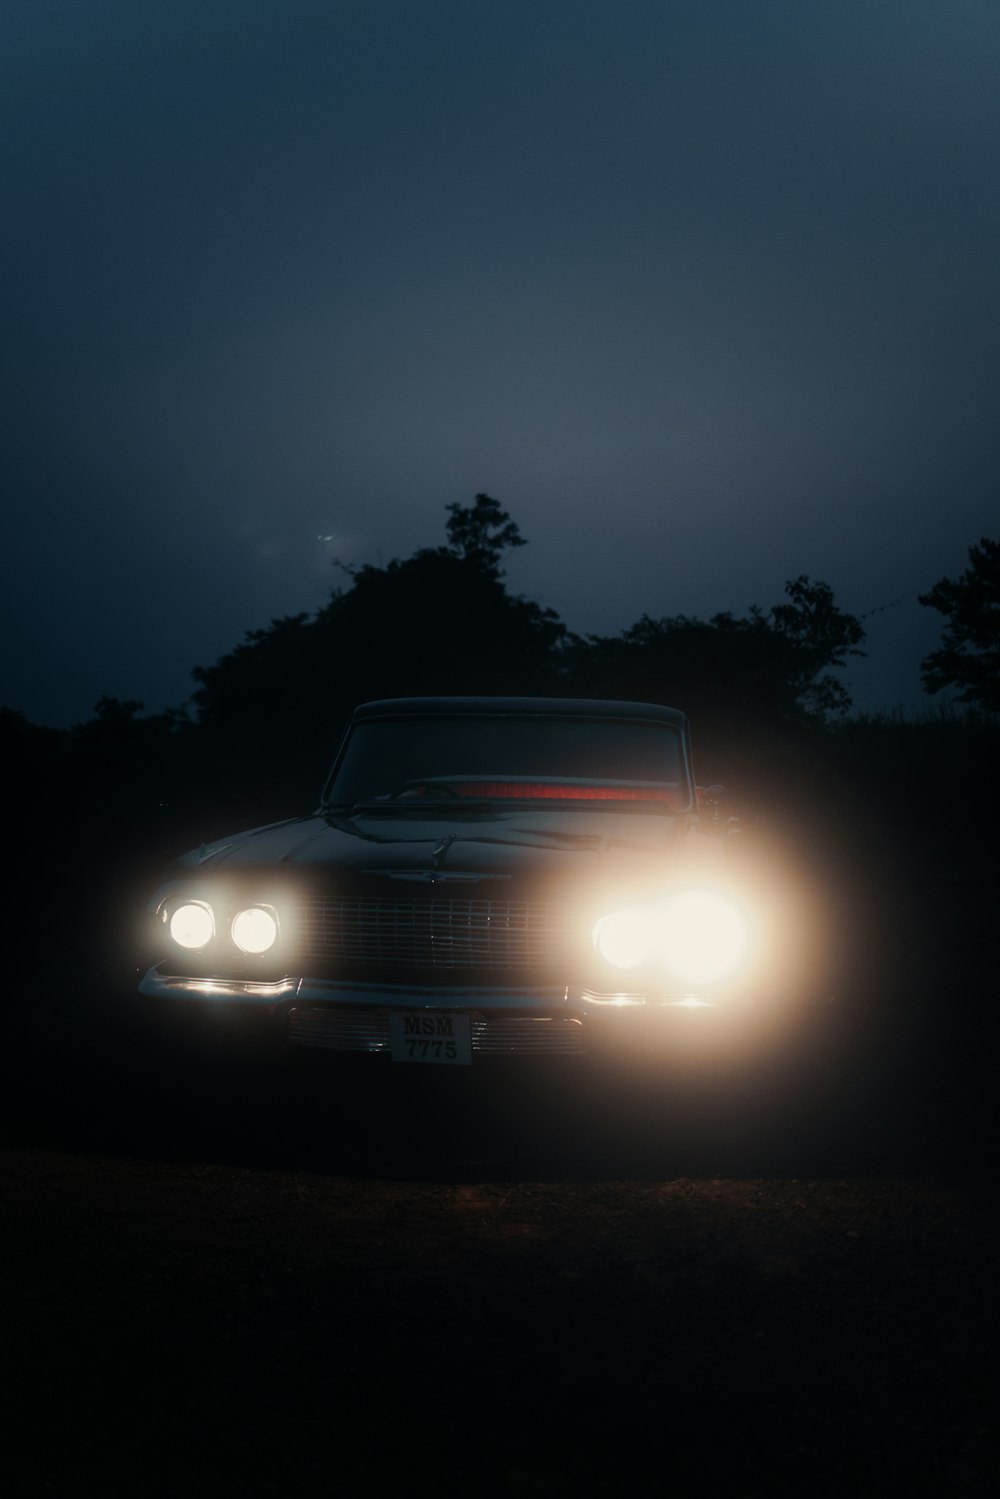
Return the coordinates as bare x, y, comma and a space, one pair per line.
431, 996
336, 1028
622, 1001
616, 999
528, 1035
159, 985
339, 1030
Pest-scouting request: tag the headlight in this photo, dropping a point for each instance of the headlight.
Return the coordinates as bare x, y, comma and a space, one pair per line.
626, 937
698, 936
255, 929
192, 925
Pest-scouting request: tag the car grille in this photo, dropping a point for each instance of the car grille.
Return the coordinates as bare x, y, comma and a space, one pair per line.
440, 933
497, 1035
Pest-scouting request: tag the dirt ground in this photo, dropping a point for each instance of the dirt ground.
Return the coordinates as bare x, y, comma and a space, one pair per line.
210, 1289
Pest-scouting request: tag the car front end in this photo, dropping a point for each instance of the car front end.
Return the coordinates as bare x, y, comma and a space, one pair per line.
484, 878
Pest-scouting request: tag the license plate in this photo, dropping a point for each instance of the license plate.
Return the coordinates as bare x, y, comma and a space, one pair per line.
430, 1036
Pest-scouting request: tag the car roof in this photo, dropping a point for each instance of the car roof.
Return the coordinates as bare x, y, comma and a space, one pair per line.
570, 707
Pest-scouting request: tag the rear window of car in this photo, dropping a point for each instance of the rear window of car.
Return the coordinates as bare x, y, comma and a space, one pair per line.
522, 758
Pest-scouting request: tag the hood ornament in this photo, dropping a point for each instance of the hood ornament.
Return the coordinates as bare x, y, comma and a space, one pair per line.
438, 876
439, 852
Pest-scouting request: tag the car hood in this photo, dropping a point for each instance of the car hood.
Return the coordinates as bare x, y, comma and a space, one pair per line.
484, 843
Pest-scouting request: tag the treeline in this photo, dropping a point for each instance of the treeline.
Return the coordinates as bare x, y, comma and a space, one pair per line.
762, 690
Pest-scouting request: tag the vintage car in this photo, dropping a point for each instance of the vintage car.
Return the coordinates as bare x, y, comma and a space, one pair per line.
484, 878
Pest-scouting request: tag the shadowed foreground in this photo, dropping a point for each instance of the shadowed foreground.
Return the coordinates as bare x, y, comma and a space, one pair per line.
220, 1290
229, 1284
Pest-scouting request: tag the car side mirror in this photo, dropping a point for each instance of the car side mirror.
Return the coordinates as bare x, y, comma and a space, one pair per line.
714, 799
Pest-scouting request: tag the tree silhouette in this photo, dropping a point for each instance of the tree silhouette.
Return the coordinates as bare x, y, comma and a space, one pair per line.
817, 637
438, 622
969, 655
442, 622
764, 668
481, 533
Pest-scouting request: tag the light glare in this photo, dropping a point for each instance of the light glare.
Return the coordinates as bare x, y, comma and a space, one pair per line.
698, 936
702, 937
625, 937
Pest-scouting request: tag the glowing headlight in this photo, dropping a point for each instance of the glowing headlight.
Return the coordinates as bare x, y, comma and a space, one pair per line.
702, 937
255, 929
192, 924
698, 936
626, 937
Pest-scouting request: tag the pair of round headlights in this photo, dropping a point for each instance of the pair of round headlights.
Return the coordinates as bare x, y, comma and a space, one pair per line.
699, 936
253, 930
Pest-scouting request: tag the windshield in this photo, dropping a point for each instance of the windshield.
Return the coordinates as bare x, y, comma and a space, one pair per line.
444, 758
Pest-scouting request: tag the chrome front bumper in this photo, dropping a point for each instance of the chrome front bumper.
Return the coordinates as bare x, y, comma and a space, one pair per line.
347, 1016
354, 1017
551, 999
159, 985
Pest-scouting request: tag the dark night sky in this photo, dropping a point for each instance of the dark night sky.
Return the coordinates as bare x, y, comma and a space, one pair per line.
704, 291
